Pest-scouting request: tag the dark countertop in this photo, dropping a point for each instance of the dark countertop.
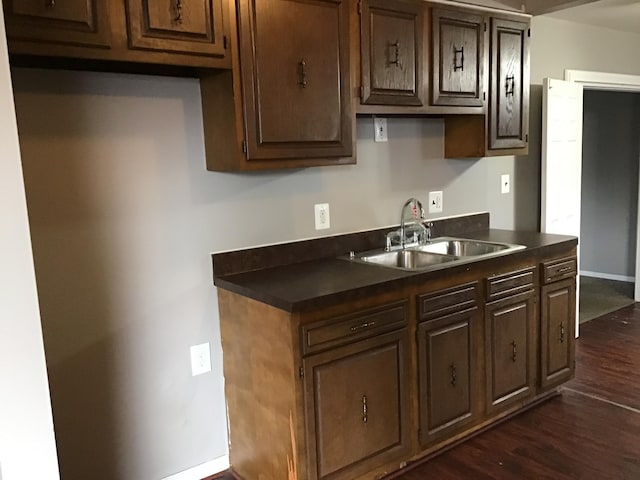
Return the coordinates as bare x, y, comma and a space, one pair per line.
322, 282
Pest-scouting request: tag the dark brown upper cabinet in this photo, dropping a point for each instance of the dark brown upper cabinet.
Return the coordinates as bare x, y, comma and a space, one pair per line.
184, 26
505, 128
70, 22
509, 90
294, 109
458, 52
392, 39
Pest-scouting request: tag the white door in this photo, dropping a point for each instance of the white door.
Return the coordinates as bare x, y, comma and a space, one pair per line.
561, 168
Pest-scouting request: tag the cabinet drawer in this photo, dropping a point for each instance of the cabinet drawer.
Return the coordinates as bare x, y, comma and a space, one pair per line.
349, 328
450, 300
555, 270
510, 283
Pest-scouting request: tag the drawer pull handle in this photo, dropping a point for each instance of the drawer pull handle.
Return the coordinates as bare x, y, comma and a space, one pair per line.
514, 351
561, 332
509, 85
458, 66
303, 73
51, 3
364, 409
362, 326
564, 269
454, 374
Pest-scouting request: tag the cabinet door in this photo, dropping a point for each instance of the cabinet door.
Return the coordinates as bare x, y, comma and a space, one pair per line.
458, 58
71, 22
295, 78
184, 26
447, 369
510, 346
557, 332
509, 110
391, 51
356, 407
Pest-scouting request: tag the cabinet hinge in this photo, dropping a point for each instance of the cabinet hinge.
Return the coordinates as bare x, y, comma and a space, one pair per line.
361, 92
526, 138
359, 7
244, 146
529, 32
225, 42
485, 26
302, 372
484, 96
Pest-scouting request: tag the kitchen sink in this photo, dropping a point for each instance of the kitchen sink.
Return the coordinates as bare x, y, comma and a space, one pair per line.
406, 259
438, 253
465, 248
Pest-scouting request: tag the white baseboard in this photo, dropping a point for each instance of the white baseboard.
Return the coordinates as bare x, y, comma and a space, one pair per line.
202, 471
607, 276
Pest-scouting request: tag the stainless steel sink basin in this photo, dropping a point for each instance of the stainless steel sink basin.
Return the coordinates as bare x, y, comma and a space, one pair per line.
406, 259
438, 253
465, 248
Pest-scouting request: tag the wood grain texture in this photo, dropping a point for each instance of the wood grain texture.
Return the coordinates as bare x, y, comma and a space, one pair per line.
262, 388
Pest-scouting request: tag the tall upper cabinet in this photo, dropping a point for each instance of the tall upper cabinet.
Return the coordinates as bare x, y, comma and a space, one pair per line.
293, 72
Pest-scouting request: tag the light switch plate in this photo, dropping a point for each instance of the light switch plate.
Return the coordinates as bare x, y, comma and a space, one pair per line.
200, 359
380, 125
435, 202
505, 183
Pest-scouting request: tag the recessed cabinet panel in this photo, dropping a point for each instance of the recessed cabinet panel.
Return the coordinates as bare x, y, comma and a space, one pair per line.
458, 58
557, 332
295, 75
356, 406
510, 333
183, 26
447, 368
509, 84
72, 22
392, 65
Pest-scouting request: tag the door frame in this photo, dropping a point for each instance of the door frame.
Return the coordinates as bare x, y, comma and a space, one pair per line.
612, 82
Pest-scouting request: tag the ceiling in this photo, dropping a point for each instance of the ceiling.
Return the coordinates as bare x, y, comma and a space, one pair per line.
615, 14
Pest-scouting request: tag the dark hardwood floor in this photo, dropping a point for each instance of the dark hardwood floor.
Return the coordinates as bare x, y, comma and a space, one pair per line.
589, 432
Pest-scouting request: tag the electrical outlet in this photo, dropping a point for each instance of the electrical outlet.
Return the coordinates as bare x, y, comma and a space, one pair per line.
380, 125
435, 202
505, 183
200, 359
323, 220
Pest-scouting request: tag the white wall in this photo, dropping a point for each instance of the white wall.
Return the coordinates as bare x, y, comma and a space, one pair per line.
27, 444
124, 217
610, 179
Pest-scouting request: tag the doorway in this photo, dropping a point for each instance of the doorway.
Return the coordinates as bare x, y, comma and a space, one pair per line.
609, 201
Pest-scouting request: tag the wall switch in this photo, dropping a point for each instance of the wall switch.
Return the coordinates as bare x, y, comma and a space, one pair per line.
380, 125
323, 221
505, 183
435, 202
200, 359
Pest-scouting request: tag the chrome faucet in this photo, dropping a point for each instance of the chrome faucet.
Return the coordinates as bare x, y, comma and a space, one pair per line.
413, 212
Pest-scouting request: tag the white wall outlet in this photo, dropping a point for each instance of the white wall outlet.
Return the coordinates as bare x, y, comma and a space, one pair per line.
505, 183
435, 202
200, 359
380, 126
323, 220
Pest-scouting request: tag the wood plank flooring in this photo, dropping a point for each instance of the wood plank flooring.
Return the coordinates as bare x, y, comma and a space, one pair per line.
590, 432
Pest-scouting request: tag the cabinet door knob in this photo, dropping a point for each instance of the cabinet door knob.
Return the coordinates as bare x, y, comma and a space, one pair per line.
454, 374
514, 351
561, 332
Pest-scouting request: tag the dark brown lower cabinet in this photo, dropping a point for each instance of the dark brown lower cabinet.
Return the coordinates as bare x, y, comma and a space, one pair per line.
557, 332
356, 407
510, 343
447, 369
